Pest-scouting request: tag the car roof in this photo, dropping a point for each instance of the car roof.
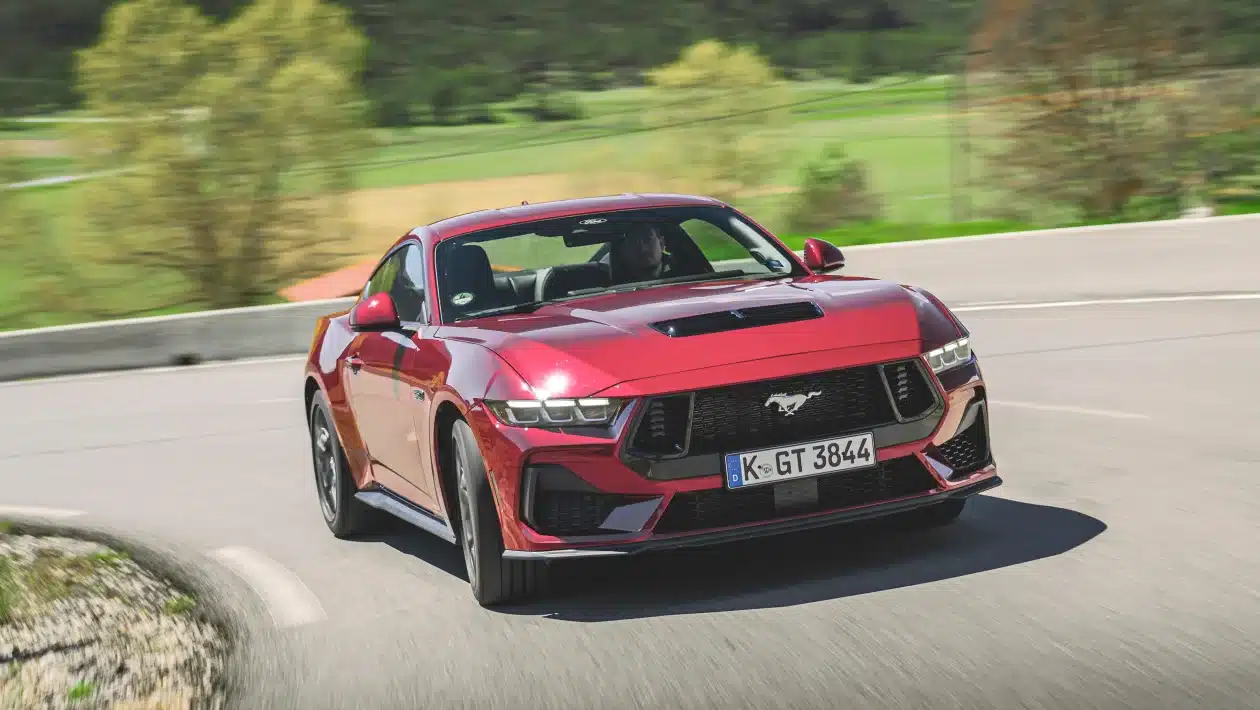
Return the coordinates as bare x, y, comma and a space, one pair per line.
503, 216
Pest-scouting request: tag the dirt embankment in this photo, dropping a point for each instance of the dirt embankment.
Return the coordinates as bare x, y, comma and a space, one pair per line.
84, 626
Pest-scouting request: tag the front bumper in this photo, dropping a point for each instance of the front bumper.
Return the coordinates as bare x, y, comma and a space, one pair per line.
984, 481
561, 496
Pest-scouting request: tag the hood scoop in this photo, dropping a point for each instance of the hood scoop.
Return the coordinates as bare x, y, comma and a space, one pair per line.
738, 319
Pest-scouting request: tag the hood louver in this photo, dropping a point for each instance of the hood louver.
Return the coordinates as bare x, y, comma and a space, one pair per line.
738, 319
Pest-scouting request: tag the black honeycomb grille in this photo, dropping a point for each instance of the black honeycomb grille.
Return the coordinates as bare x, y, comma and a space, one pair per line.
702, 510
968, 451
564, 513
741, 417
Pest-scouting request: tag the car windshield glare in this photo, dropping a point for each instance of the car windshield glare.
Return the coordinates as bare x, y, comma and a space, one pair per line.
521, 267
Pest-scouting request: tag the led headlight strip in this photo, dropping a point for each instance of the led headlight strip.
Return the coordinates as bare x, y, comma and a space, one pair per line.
949, 355
556, 412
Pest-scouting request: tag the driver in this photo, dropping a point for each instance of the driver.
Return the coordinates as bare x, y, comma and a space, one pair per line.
639, 255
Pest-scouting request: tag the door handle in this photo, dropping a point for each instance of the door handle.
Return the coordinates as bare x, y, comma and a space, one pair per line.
355, 363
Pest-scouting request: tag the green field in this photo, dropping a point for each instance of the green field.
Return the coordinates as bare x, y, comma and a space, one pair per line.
899, 127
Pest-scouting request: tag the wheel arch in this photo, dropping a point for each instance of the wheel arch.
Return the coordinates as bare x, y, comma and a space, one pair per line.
444, 418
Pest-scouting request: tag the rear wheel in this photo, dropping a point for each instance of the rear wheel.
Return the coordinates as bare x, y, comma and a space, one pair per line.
345, 515
494, 580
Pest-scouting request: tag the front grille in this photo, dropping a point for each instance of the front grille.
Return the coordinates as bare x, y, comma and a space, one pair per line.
563, 513
968, 451
911, 391
701, 510
741, 417
739, 319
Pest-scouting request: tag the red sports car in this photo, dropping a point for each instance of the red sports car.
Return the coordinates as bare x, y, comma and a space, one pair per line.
614, 375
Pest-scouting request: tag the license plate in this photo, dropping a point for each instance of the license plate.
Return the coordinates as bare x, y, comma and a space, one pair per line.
784, 463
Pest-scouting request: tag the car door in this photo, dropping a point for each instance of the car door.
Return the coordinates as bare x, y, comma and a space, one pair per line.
371, 384
417, 370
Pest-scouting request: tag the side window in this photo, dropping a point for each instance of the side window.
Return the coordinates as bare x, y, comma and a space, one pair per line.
384, 278
408, 289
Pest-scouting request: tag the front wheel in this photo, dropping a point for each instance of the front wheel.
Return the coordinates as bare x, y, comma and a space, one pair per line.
494, 580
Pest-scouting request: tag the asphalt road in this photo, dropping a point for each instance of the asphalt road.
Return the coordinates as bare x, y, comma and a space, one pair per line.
1117, 568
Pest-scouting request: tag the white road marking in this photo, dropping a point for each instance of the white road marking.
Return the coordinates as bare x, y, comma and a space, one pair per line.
1110, 302
1110, 414
33, 511
289, 601
1064, 231
218, 364
984, 303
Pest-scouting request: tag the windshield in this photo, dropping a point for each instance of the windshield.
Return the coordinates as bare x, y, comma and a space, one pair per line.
521, 267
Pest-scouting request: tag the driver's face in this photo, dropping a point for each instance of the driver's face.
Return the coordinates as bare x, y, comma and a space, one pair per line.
644, 249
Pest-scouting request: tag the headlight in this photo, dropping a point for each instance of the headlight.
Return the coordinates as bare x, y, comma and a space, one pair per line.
556, 412
949, 355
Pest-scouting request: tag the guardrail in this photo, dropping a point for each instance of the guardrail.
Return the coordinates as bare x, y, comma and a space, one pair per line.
258, 331
1218, 254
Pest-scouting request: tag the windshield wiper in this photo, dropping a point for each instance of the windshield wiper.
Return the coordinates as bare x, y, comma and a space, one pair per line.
526, 307
630, 288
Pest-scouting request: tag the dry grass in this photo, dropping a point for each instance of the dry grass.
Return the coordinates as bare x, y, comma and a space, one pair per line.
385, 214
33, 148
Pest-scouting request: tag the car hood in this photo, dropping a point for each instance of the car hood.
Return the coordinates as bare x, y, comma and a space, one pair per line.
581, 347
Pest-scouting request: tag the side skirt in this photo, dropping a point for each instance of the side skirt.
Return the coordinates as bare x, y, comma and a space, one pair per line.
384, 499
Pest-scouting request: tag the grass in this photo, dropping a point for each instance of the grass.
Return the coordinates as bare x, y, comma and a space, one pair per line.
82, 690
182, 604
899, 127
8, 589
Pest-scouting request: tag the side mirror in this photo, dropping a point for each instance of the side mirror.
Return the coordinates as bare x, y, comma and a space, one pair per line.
823, 256
375, 313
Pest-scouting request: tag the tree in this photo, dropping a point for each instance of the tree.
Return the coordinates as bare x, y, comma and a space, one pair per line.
37, 279
714, 112
1099, 97
229, 146
835, 190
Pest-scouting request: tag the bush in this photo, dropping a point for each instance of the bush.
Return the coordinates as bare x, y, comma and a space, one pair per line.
835, 190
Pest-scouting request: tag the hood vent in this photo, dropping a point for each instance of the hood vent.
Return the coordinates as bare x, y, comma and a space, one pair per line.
739, 319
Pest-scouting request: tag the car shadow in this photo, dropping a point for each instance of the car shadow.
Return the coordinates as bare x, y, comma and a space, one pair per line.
427, 548
806, 567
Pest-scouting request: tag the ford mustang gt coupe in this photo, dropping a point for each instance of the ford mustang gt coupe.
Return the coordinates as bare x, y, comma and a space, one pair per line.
608, 376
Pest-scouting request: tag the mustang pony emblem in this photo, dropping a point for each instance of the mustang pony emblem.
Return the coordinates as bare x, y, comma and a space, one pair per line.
789, 403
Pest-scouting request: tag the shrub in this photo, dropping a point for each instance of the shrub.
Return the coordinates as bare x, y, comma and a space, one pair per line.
834, 190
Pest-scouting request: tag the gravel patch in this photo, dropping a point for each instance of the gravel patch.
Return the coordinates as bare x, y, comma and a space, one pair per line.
83, 626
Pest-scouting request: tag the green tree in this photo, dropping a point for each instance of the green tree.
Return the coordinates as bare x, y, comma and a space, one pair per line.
1099, 97
716, 109
835, 190
36, 279
228, 145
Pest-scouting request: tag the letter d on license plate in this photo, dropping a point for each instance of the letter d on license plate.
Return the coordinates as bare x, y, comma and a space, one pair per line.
764, 466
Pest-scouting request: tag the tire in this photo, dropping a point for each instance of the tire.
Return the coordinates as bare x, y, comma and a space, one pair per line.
934, 516
493, 579
345, 515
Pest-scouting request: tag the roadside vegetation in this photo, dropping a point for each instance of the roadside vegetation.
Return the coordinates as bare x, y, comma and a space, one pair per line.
326, 142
